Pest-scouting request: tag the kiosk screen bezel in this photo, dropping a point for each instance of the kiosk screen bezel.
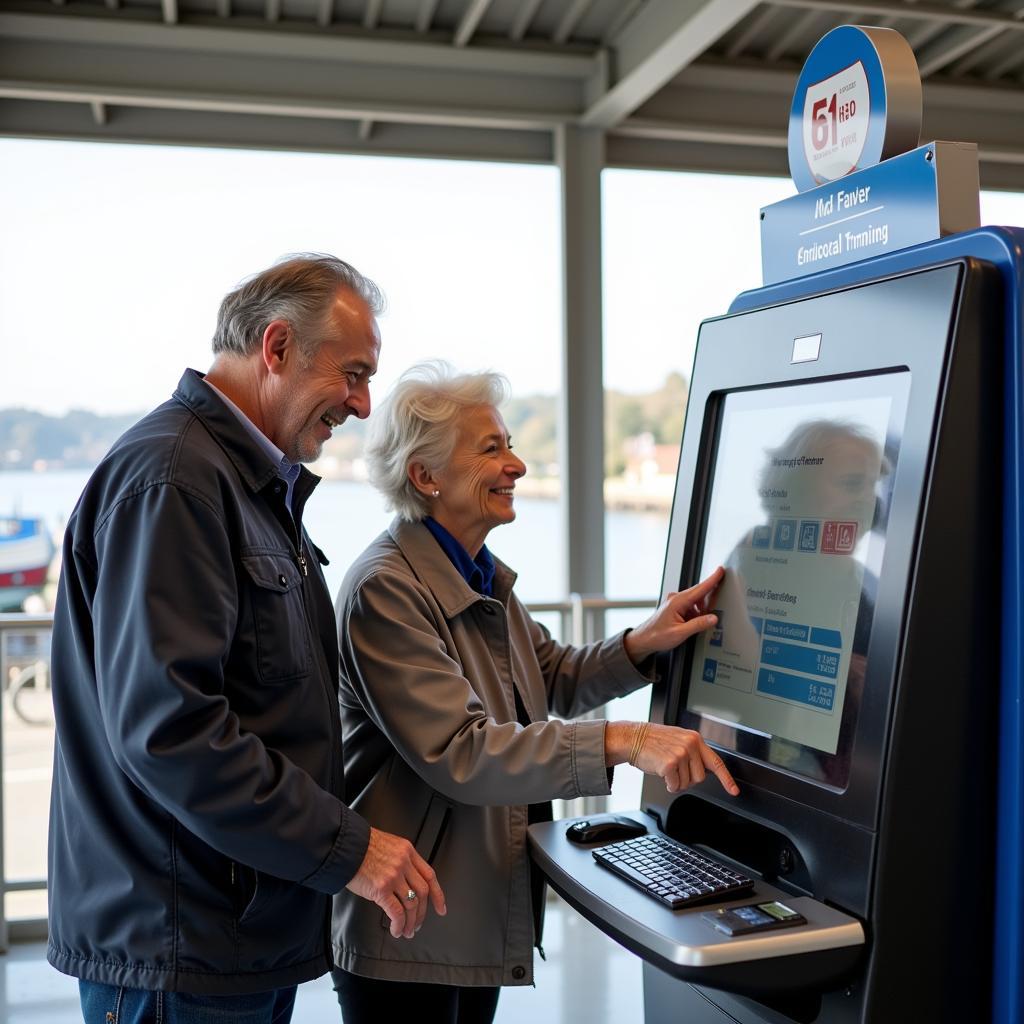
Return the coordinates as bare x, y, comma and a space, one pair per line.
897, 324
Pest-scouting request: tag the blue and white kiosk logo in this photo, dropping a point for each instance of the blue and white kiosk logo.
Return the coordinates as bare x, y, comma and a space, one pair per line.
857, 102
865, 186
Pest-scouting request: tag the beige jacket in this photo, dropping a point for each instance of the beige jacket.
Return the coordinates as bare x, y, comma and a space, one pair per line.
433, 751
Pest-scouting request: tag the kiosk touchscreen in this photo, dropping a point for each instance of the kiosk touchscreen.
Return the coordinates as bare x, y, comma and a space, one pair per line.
802, 476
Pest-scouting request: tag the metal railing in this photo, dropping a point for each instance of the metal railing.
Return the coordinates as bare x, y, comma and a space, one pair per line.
24, 661
30, 660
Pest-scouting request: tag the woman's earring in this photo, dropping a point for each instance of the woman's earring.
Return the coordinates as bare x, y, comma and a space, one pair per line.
435, 493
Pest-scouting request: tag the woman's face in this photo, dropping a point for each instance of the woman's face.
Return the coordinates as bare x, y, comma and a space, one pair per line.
476, 487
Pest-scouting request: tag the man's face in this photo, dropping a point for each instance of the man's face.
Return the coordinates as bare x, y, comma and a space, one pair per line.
311, 399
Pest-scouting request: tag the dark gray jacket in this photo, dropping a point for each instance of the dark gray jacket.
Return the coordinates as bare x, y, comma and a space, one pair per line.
196, 830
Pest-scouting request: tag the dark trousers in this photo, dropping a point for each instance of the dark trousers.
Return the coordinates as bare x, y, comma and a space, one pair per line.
370, 1000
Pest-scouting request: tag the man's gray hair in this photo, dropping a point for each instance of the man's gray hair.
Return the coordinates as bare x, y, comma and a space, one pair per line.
418, 422
300, 289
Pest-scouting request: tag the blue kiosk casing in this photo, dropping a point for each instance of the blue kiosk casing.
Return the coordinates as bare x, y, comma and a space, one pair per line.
1002, 248
880, 753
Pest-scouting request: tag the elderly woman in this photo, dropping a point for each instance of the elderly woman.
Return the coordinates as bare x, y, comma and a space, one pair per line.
446, 687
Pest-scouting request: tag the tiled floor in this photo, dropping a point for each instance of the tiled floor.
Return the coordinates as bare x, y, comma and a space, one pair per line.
586, 978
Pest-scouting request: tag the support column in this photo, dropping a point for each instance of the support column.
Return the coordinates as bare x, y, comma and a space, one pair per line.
580, 156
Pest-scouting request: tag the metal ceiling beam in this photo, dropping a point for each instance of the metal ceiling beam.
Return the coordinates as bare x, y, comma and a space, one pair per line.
924, 32
914, 12
627, 8
99, 113
170, 11
746, 106
986, 55
372, 13
1011, 61
425, 15
570, 19
752, 30
276, 105
40, 120
702, 132
952, 47
324, 12
467, 26
303, 44
963, 40
524, 15
223, 8
785, 38
655, 45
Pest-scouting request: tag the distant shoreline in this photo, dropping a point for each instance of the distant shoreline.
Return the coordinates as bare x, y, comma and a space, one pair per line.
654, 495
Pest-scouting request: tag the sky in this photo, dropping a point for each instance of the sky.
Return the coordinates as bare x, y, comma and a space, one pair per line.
114, 258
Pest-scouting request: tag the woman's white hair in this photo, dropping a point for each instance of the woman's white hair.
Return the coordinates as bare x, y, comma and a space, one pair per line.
418, 422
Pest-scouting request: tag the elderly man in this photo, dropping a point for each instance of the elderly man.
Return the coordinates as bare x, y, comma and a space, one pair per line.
196, 830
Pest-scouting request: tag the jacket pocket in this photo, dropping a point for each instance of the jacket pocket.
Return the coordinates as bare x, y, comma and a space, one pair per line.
279, 617
263, 890
433, 827
243, 889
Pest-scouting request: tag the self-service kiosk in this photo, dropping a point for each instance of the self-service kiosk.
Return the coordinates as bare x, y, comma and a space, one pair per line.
852, 455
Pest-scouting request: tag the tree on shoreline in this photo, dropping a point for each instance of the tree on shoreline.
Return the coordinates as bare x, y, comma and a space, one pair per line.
79, 439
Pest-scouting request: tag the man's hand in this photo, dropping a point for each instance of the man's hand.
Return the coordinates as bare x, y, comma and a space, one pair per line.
390, 870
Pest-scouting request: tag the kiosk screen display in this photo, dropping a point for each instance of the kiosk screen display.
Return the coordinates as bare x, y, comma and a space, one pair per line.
797, 512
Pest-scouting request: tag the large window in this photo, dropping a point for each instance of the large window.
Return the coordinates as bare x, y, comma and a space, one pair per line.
113, 260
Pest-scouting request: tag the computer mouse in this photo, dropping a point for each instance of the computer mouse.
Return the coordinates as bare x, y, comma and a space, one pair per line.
603, 828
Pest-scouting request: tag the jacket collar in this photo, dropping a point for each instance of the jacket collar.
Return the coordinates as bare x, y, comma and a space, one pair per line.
253, 462
434, 569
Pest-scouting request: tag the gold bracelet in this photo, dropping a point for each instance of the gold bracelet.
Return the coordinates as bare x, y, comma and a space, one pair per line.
638, 741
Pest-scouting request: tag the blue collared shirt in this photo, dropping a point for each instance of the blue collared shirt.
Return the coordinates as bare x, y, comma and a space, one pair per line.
287, 471
478, 572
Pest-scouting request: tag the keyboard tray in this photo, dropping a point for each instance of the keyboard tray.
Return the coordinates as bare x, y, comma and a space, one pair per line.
819, 955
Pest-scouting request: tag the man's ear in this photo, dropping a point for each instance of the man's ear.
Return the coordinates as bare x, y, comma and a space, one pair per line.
278, 345
422, 479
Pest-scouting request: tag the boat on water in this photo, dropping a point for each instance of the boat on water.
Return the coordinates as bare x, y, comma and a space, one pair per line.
26, 551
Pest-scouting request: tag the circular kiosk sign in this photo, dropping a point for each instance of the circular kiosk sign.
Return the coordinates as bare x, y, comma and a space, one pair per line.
857, 102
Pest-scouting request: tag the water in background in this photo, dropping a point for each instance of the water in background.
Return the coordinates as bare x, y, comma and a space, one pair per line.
343, 517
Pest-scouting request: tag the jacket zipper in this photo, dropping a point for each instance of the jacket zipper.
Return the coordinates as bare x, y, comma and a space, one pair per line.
300, 558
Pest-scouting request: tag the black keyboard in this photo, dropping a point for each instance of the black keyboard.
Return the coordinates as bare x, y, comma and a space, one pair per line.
670, 872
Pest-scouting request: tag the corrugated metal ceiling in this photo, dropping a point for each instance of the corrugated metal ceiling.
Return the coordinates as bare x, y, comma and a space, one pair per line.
699, 84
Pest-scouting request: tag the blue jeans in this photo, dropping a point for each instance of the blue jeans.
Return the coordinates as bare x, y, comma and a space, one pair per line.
108, 1004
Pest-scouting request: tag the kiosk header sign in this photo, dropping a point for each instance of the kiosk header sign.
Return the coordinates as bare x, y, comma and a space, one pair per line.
865, 186
914, 197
